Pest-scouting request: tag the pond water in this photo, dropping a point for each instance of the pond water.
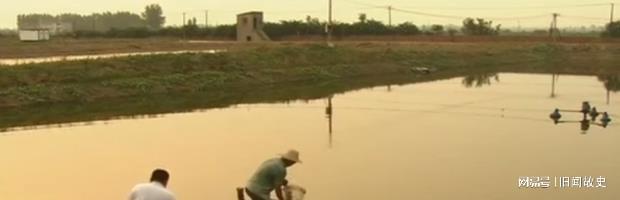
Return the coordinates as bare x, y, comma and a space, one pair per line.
462, 138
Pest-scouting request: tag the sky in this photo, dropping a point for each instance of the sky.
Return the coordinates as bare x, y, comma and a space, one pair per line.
509, 13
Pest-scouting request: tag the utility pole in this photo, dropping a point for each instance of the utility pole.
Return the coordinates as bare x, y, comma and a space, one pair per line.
329, 112
206, 18
554, 31
390, 16
611, 15
183, 28
607, 96
329, 25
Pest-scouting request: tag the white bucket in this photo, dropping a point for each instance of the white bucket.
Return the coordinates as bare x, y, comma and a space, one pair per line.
294, 192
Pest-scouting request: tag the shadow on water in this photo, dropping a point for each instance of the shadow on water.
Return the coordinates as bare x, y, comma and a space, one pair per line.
611, 82
480, 80
65, 114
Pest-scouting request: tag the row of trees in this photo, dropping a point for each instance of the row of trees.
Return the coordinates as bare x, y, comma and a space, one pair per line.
365, 26
151, 23
152, 19
133, 26
313, 27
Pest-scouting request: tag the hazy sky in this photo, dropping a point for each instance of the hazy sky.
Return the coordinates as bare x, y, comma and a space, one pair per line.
510, 13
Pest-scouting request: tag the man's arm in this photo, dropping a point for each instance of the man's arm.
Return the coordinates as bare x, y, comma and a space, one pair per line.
279, 193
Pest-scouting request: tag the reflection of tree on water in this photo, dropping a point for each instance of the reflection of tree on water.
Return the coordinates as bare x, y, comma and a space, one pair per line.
479, 80
329, 113
611, 83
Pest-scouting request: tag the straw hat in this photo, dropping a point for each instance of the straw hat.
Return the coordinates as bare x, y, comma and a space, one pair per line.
292, 155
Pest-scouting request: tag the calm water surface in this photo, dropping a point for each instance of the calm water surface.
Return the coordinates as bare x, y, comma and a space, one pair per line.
437, 140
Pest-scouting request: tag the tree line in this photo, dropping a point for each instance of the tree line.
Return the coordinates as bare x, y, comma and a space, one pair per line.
151, 19
151, 23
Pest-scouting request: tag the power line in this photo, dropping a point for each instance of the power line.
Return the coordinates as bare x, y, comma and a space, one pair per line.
405, 10
611, 15
364, 4
585, 18
488, 8
399, 9
428, 14
463, 17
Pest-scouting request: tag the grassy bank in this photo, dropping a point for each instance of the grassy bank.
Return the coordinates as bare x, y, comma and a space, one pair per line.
102, 89
11, 47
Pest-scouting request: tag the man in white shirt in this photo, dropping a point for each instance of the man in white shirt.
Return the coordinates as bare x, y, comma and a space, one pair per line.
155, 190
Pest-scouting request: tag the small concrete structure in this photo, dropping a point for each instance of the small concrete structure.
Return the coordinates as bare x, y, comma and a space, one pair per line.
29, 35
250, 27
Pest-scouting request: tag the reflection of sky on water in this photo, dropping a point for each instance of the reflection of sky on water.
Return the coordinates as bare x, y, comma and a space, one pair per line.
455, 142
476, 81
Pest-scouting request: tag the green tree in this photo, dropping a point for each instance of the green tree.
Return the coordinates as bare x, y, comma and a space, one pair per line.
407, 28
362, 17
153, 15
369, 27
479, 26
612, 29
437, 29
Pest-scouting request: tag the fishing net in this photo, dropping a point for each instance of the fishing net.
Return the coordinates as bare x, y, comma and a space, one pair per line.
294, 192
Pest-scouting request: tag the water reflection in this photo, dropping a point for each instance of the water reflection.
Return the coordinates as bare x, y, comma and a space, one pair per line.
329, 112
5, 131
611, 83
554, 79
480, 80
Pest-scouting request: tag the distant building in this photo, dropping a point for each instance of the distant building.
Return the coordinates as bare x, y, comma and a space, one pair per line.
250, 27
28, 35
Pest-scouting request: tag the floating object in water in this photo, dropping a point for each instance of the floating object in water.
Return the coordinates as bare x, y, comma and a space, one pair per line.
588, 111
556, 116
585, 125
594, 114
605, 118
585, 107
